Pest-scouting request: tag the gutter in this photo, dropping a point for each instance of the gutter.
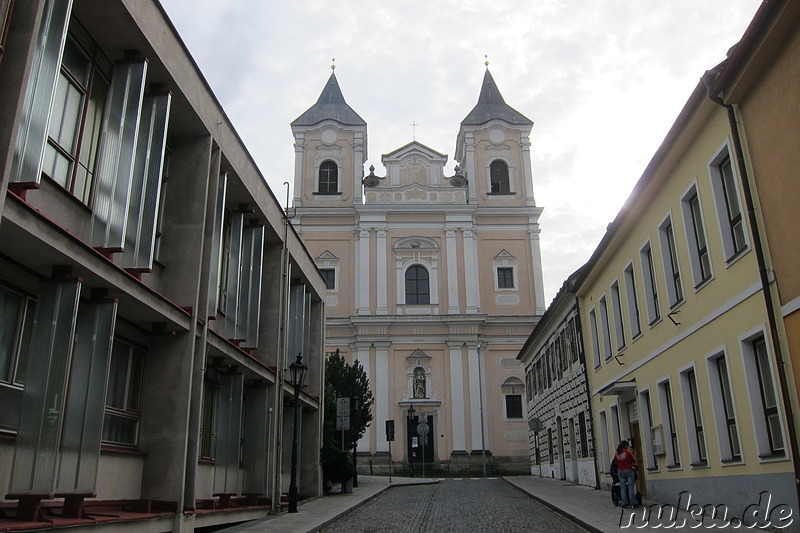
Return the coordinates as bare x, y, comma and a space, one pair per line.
710, 80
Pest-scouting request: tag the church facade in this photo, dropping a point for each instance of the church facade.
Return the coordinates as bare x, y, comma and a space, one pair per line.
434, 282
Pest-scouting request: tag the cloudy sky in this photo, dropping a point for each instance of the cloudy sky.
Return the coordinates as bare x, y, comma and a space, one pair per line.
603, 81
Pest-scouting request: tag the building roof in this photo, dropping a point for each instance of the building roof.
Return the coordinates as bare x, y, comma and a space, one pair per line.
491, 106
330, 106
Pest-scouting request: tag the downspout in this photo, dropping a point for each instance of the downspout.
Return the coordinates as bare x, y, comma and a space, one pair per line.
764, 275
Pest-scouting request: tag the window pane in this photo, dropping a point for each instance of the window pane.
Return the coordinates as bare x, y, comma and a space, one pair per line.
24, 350
135, 380
118, 376
767, 388
513, 406
90, 139
10, 308
119, 429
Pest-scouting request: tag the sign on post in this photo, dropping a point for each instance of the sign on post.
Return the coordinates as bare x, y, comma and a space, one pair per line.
342, 414
390, 430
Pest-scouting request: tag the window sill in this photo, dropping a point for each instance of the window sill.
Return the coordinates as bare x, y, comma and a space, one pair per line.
206, 461
121, 450
773, 457
700, 466
703, 283
655, 322
326, 193
732, 462
490, 194
735, 257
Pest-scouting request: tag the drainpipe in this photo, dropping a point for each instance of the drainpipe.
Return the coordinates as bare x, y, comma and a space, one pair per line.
763, 271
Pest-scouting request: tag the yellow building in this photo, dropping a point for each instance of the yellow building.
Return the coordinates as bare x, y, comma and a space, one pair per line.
679, 350
757, 85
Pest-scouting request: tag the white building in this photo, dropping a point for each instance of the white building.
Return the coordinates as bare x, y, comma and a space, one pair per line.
434, 281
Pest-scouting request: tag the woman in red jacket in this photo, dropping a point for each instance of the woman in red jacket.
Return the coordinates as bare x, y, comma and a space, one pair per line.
626, 470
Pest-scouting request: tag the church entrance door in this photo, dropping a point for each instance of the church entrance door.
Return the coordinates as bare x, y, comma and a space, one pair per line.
421, 448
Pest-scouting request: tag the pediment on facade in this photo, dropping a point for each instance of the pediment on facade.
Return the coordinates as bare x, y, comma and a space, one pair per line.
416, 244
326, 256
414, 148
418, 358
504, 254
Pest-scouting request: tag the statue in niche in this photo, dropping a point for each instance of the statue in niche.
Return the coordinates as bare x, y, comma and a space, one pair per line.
419, 382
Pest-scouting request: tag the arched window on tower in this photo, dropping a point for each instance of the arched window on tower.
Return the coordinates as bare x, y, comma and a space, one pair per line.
418, 288
328, 178
498, 177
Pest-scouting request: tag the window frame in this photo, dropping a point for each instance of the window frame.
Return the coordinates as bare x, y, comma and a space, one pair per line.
650, 284
17, 359
724, 406
721, 184
595, 338
671, 263
758, 372
82, 156
509, 276
499, 178
605, 327
698, 443
634, 317
697, 237
671, 441
417, 295
133, 392
329, 275
619, 325
331, 181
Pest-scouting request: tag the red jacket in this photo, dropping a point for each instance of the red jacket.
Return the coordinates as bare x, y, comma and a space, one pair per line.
625, 460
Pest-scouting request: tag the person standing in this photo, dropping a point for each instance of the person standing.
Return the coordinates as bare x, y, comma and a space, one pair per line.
626, 470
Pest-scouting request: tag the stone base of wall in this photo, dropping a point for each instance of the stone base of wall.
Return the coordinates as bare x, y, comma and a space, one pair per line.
459, 464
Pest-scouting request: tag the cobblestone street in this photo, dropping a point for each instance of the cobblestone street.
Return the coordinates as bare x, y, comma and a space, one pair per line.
468, 505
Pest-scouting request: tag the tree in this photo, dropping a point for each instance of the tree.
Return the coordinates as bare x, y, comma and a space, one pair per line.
343, 380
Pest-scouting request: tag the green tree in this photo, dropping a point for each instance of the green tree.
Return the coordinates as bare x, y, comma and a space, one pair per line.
343, 380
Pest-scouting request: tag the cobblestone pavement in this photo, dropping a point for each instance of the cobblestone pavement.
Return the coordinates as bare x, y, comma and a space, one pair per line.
463, 505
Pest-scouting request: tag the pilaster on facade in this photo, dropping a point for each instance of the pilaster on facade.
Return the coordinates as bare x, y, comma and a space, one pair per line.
538, 278
360, 156
381, 252
525, 147
470, 170
453, 306
471, 270
477, 395
299, 145
381, 388
361, 353
362, 285
457, 412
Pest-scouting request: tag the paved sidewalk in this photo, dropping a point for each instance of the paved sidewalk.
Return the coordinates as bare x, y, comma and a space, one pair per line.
314, 514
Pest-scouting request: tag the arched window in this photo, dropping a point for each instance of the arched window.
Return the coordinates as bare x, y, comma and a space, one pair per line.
418, 288
512, 390
328, 178
498, 177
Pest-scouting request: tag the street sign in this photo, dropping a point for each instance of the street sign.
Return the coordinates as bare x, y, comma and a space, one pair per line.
342, 414
342, 406
535, 424
390, 430
423, 429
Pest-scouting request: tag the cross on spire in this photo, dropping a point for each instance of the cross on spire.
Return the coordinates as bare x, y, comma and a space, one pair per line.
333, 63
414, 130
486, 56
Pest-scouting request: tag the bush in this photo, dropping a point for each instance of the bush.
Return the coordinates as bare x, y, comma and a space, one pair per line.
337, 466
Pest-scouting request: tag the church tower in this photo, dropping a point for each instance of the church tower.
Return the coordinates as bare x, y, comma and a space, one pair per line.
433, 281
330, 146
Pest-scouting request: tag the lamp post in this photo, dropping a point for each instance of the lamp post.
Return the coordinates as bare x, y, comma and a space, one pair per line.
411, 413
298, 372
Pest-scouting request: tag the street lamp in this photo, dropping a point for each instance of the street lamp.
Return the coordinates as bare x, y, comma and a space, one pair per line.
411, 413
297, 371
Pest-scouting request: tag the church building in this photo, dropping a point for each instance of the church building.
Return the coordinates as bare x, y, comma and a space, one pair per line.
434, 282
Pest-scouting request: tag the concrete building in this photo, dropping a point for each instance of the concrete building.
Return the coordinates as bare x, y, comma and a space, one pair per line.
433, 282
559, 410
147, 275
679, 347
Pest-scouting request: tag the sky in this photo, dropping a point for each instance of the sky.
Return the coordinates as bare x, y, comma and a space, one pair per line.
602, 80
